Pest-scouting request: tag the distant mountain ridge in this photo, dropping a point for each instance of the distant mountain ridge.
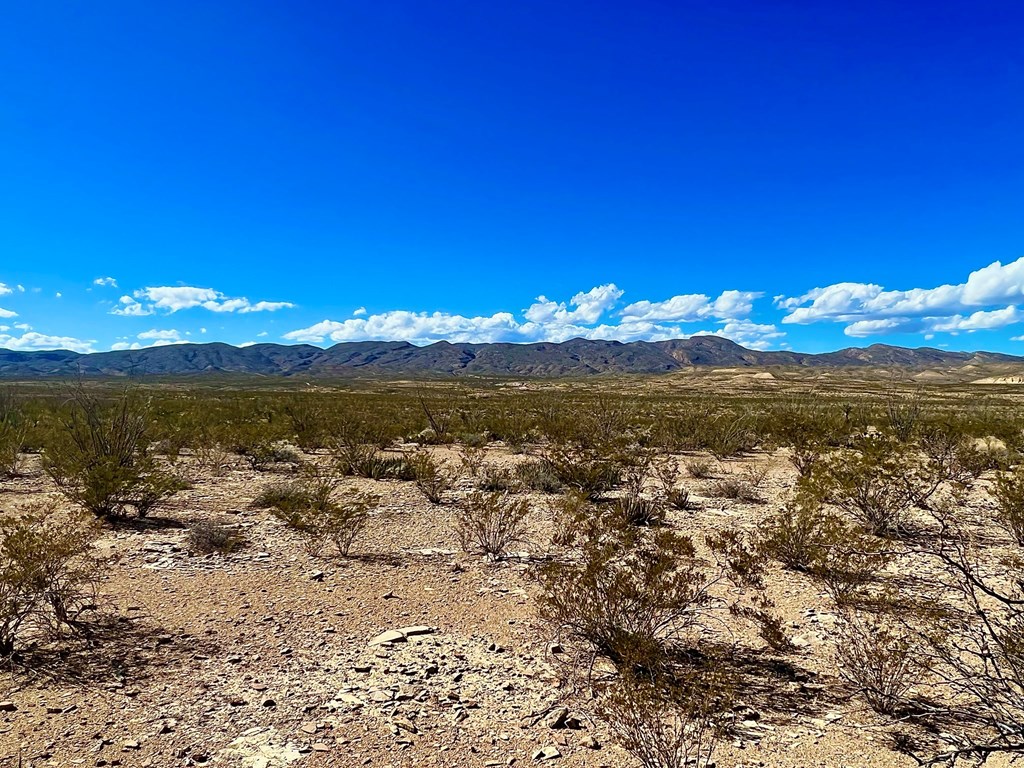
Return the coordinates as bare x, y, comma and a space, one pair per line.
577, 357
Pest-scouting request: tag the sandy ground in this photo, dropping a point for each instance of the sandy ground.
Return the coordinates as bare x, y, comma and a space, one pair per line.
262, 658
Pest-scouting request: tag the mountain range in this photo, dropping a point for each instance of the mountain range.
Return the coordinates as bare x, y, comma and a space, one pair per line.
577, 357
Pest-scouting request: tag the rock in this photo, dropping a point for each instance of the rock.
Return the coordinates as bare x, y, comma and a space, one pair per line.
387, 638
8, 706
316, 576
547, 753
400, 635
556, 718
589, 742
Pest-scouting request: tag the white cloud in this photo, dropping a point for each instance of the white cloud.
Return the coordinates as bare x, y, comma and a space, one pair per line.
692, 307
589, 307
170, 299
32, 341
869, 309
4, 290
6, 313
547, 320
109, 282
261, 334
359, 312
157, 334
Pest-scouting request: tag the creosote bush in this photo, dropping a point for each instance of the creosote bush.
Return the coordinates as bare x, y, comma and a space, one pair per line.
100, 457
491, 522
1008, 492
47, 576
881, 661
312, 506
431, 476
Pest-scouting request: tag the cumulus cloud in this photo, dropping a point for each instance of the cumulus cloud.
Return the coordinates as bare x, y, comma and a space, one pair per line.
6, 313
589, 307
108, 282
4, 290
155, 334
170, 299
986, 299
31, 341
554, 321
692, 307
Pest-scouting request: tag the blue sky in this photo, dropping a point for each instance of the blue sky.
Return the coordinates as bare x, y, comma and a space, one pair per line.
805, 175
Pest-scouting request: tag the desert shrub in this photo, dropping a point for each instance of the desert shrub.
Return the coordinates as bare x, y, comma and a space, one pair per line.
432, 476
312, 507
728, 435
492, 479
262, 453
667, 724
700, 469
471, 457
1008, 492
876, 483
12, 435
310, 422
370, 462
881, 661
626, 597
666, 471
738, 487
633, 508
583, 469
573, 514
47, 578
538, 476
100, 458
903, 414
800, 534
208, 536
490, 523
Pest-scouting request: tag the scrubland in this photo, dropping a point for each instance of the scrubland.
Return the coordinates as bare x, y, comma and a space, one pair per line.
633, 572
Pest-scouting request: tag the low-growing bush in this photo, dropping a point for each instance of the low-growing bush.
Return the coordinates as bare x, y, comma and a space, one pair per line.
700, 469
538, 476
491, 522
633, 508
208, 536
876, 483
431, 476
800, 533
582, 469
370, 462
47, 576
312, 507
492, 479
626, 596
1008, 492
882, 662
668, 724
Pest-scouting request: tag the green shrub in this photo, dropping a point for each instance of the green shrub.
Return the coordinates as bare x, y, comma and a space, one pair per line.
538, 476
490, 523
100, 458
370, 462
1008, 492
583, 469
312, 507
47, 577
432, 477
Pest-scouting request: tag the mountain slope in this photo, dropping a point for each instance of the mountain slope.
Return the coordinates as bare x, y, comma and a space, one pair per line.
577, 357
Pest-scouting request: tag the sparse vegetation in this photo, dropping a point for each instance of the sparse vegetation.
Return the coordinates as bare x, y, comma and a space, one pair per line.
47, 576
491, 522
